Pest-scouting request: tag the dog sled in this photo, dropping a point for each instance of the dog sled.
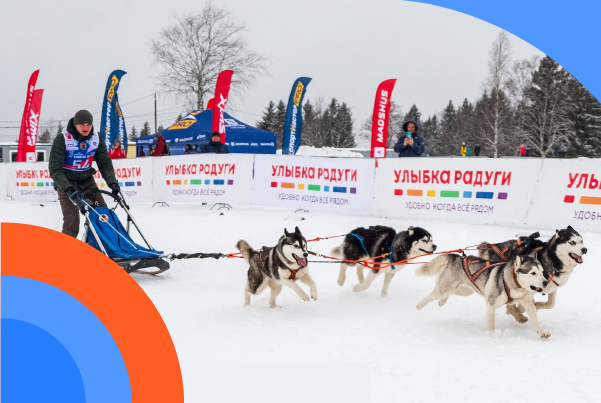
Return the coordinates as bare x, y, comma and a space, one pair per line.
104, 232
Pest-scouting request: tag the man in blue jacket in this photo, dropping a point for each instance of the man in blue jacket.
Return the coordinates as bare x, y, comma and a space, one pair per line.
411, 144
215, 145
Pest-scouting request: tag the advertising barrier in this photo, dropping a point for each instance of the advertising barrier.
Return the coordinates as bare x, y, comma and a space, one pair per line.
336, 185
30, 182
3, 182
135, 178
206, 178
470, 190
568, 193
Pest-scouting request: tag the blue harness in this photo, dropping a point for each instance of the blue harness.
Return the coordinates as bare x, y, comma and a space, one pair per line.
360, 238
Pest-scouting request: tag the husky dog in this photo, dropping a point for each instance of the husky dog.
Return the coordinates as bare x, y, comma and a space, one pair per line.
363, 243
280, 265
559, 256
499, 283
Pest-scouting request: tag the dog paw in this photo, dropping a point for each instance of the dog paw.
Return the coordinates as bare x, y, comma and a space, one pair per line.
341, 281
544, 335
358, 288
522, 319
274, 306
420, 305
304, 297
314, 296
441, 302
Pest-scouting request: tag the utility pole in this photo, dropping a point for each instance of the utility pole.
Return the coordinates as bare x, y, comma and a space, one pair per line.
155, 112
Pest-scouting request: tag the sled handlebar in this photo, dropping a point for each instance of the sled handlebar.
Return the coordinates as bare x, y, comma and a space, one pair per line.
118, 198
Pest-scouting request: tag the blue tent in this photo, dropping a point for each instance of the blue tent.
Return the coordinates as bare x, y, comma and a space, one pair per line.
195, 129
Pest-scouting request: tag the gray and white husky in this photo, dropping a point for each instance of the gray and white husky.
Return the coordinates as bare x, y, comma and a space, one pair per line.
499, 284
559, 256
276, 266
363, 243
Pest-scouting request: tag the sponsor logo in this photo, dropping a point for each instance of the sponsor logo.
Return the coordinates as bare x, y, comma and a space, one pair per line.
83, 146
379, 152
118, 109
111, 92
267, 144
176, 140
298, 93
221, 106
382, 123
182, 124
233, 123
33, 129
201, 136
104, 218
254, 144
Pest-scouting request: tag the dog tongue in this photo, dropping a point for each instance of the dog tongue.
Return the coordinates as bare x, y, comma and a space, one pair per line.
302, 262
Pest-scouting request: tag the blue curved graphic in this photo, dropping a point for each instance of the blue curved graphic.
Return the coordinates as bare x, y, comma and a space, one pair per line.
566, 31
73, 325
37, 367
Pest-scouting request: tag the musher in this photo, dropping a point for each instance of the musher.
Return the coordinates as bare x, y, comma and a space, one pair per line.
70, 167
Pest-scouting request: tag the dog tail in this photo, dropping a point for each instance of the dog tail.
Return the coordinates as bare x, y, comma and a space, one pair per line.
434, 266
337, 252
246, 250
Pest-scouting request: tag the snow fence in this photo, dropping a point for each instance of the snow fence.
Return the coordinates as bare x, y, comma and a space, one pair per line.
517, 192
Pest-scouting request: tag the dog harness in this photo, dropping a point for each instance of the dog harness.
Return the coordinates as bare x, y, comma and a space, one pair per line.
264, 262
487, 266
360, 238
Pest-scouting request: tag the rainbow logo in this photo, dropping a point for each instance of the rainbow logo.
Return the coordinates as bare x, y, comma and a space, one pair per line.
452, 193
199, 182
315, 188
583, 200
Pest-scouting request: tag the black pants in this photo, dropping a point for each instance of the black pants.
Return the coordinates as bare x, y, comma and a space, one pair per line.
71, 212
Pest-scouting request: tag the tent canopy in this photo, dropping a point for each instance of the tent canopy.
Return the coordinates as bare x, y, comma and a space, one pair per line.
196, 127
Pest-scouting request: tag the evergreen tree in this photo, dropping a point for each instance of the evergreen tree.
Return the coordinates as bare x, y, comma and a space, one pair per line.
547, 123
413, 114
342, 136
59, 128
160, 128
280, 121
328, 123
493, 123
448, 122
433, 138
268, 120
45, 137
145, 130
179, 117
133, 134
310, 135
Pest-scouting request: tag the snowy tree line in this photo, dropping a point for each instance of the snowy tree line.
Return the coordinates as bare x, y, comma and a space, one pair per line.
532, 102
323, 126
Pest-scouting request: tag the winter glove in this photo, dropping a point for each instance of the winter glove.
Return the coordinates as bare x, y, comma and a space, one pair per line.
78, 198
115, 188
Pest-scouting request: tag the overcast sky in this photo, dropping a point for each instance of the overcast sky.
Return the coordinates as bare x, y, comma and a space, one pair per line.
347, 47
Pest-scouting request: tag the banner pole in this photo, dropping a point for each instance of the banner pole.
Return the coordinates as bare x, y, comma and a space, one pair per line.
155, 112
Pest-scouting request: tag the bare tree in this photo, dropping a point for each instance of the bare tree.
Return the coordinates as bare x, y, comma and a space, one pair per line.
495, 113
195, 50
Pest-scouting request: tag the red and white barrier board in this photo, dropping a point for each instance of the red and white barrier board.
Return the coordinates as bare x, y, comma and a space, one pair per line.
208, 178
568, 193
30, 181
471, 190
338, 185
134, 176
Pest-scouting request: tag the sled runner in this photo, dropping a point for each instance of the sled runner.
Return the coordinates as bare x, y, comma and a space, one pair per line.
104, 232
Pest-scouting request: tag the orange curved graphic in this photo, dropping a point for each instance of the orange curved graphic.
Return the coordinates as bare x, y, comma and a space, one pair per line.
110, 293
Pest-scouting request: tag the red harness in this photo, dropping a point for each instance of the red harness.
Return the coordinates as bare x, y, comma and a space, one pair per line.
488, 265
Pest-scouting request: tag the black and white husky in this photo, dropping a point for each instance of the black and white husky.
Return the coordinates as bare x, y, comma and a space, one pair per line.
363, 243
276, 266
501, 283
558, 256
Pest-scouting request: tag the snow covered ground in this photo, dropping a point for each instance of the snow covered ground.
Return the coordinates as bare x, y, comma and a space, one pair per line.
352, 347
